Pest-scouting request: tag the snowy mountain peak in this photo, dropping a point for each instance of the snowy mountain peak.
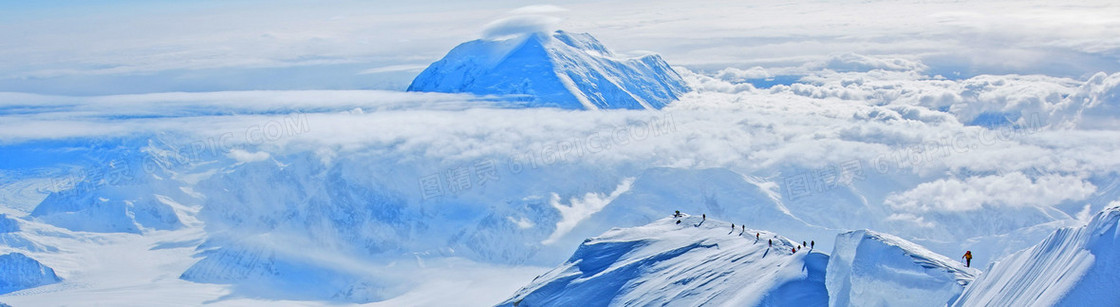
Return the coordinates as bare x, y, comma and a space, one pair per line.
581, 41
1071, 267
691, 263
561, 69
876, 269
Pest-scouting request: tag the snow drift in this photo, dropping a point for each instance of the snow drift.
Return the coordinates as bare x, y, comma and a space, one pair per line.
691, 263
565, 70
18, 272
1072, 267
875, 269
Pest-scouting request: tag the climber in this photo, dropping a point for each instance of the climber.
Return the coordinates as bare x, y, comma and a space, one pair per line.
967, 259
804, 244
812, 245
678, 214
771, 242
678, 221
732, 227
756, 235
794, 249
743, 229
704, 217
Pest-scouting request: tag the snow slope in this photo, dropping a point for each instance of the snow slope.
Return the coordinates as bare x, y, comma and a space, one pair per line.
272, 273
693, 263
13, 237
8, 225
18, 272
875, 269
1072, 267
123, 269
565, 70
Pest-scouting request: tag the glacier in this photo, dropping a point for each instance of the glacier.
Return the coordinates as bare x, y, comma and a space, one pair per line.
286, 274
692, 262
868, 268
1071, 267
561, 69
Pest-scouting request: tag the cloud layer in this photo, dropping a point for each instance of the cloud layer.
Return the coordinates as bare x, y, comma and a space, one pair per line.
1015, 189
520, 24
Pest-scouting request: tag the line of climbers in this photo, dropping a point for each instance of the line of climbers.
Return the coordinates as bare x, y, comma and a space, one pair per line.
811, 244
758, 236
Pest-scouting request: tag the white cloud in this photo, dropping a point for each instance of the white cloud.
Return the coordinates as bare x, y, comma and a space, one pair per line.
849, 62
877, 99
520, 24
400, 137
242, 156
721, 125
703, 82
1014, 190
393, 68
990, 100
522, 223
732, 74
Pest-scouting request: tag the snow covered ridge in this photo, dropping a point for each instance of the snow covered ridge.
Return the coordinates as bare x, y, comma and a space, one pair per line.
691, 263
876, 269
130, 207
564, 70
1072, 267
698, 262
18, 272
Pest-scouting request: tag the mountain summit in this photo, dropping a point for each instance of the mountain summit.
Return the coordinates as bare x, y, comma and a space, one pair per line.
563, 70
1071, 267
694, 262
